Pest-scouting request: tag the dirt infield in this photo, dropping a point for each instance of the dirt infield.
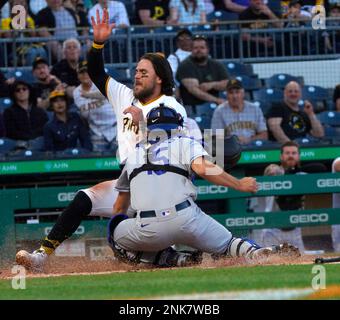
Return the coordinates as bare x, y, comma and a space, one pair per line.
58, 266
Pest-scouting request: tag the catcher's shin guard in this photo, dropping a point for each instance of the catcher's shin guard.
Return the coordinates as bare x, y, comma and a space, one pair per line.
120, 253
238, 247
171, 258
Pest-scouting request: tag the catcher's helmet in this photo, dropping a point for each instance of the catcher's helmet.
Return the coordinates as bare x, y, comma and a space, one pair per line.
164, 118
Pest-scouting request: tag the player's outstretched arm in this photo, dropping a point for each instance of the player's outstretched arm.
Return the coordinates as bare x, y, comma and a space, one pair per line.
216, 175
101, 32
122, 203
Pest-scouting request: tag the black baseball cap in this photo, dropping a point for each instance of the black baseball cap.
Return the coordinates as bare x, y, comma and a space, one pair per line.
82, 66
39, 60
234, 84
182, 32
294, 2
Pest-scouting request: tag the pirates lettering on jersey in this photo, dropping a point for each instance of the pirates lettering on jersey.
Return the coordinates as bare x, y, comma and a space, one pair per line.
128, 125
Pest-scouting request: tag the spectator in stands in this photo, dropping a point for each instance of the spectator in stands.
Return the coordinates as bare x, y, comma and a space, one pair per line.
336, 204
296, 15
45, 84
34, 6
96, 109
184, 46
66, 69
24, 120
336, 98
153, 13
209, 6
236, 6
5, 85
2, 126
66, 129
258, 44
25, 52
287, 121
187, 11
289, 164
201, 78
239, 117
333, 46
117, 12
63, 21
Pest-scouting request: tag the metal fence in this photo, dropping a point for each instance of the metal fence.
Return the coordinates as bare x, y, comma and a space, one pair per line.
226, 40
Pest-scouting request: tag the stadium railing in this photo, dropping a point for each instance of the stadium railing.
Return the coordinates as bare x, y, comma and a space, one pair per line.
225, 38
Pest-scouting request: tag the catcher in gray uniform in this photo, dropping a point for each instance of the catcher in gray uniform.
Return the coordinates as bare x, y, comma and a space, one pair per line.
156, 180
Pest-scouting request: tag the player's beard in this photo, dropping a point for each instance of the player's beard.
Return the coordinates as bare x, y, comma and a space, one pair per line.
144, 94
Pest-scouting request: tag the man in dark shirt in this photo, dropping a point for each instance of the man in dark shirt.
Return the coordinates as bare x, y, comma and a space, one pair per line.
257, 10
287, 121
66, 69
65, 129
201, 78
336, 97
45, 84
24, 120
154, 13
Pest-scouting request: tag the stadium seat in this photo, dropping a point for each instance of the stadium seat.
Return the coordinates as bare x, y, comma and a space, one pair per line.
265, 106
118, 74
250, 83
205, 109
22, 74
204, 122
26, 154
261, 144
36, 144
221, 15
73, 153
315, 93
239, 69
280, 80
191, 111
332, 132
7, 145
311, 141
329, 118
268, 95
5, 103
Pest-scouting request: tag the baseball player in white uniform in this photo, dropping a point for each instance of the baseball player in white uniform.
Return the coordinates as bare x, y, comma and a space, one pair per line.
336, 204
166, 212
153, 85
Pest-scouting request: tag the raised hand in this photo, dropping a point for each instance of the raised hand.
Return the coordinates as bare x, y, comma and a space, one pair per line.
101, 28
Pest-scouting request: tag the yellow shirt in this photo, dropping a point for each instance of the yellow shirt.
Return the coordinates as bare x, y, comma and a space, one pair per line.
6, 23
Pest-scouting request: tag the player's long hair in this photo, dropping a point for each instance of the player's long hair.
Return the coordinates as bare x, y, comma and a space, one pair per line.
163, 70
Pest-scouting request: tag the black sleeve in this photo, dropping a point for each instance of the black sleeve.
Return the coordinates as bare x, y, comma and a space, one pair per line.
95, 66
336, 94
276, 111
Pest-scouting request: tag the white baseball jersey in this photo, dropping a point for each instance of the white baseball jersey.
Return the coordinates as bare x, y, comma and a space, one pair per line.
98, 112
121, 97
161, 189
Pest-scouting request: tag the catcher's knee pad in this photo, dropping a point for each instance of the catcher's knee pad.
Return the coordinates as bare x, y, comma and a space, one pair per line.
112, 225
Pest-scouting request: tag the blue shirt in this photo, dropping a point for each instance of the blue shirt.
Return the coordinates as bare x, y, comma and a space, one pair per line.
60, 135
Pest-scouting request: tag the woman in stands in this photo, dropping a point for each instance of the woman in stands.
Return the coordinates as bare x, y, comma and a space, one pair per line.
187, 11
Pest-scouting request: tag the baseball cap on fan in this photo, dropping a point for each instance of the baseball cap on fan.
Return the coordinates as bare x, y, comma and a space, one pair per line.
37, 61
234, 84
82, 66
